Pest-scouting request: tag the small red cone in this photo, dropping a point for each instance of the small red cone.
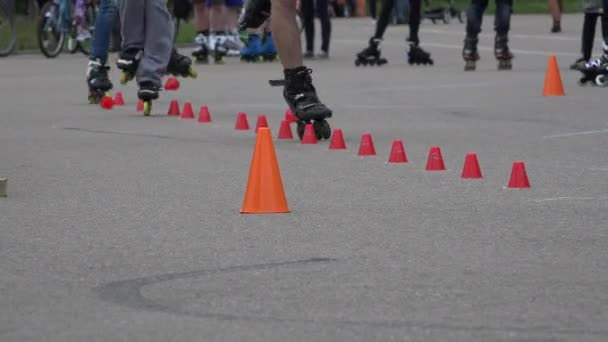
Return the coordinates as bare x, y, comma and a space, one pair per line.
173, 108
435, 160
140, 105
309, 136
241, 122
366, 147
337, 140
262, 122
107, 103
204, 115
285, 130
519, 178
471, 167
118, 99
172, 84
289, 117
187, 113
397, 152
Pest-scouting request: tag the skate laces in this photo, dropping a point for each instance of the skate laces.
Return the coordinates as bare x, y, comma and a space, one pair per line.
598, 62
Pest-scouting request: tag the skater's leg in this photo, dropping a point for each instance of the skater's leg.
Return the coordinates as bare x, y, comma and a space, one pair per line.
414, 21
475, 17
385, 15
588, 34
555, 8
158, 42
286, 34
132, 24
308, 14
503, 17
201, 17
322, 10
103, 30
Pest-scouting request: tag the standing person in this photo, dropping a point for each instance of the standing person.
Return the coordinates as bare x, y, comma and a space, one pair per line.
502, 22
203, 36
592, 11
147, 47
597, 70
298, 90
556, 9
416, 55
320, 8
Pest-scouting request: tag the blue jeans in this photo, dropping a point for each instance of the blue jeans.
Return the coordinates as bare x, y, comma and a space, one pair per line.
103, 30
502, 17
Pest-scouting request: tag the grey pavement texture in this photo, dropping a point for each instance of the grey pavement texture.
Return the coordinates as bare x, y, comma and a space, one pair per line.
119, 227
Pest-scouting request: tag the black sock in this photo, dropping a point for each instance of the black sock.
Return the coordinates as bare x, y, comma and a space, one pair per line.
588, 34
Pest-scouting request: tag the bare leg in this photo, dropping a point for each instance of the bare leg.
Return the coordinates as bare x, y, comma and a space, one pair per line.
201, 16
555, 8
287, 37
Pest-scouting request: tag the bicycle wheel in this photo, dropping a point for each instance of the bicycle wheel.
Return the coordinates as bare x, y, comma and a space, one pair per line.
8, 32
50, 41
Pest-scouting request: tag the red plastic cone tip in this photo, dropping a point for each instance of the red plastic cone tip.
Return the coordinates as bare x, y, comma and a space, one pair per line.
118, 99
140, 106
107, 102
435, 160
289, 117
337, 140
241, 122
187, 113
173, 108
366, 147
519, 177
285, 130
172, 84
204, 115
471, 167
309, 136
397, 152
262, 122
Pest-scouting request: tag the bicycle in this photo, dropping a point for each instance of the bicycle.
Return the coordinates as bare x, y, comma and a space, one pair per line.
8, 31
57, 22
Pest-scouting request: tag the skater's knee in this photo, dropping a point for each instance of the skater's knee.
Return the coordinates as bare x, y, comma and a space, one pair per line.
285, 7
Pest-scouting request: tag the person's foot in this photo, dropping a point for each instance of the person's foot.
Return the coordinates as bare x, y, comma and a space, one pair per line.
323, 55
556, 27
308, 55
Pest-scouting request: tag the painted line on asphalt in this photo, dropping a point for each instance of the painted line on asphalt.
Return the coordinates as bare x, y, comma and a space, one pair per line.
573, 134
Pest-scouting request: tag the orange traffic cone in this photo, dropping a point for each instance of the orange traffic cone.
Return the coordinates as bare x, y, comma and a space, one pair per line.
553, 80
264, 193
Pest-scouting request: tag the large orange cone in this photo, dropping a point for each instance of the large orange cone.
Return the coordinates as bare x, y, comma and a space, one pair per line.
397, 152
553, 80
264, 193
471, 167
435, 160
519, 177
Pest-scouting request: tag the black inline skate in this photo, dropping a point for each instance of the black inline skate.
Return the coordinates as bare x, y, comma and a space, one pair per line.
416, 55
220, 50
502, 52
97, 80
201, 52
128, 62
595, 71
180, 65
301, 97
254, 14
470, 54
371, 54
148, 91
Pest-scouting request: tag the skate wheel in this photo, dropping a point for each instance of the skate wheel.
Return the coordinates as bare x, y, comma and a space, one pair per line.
301, 125
357, 62
147, 108
600, 80
322, 129
192, 73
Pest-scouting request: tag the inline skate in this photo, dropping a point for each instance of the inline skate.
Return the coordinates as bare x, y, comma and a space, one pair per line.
268, 50
180, 65
502, 52
147, 92
254, 14
128, 62
220, 50
97, 80
201, 52
301, 97
416, 55
470, 54
595, 72
371, 54
252, 50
